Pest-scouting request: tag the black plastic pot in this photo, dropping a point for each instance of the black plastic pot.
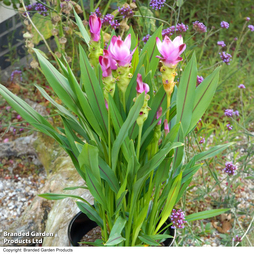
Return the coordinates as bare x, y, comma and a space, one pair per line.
81, 224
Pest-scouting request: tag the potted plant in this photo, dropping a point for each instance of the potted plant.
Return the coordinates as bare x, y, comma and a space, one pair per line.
125, 133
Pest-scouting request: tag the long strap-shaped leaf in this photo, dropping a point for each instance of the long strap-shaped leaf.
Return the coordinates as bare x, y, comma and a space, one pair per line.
90, 212
186, 94
28, 113
82, 28
170, 202
205, 214
58, 82
93, 91
132, 116
203, 96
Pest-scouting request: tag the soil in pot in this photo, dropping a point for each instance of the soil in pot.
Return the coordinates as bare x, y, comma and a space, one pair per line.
82, 229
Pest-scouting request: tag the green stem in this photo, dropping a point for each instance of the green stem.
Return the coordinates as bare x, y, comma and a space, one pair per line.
168, 105
139, 139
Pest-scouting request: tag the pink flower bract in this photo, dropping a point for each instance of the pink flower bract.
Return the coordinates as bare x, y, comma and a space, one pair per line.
107, 63
170, 50
141, 86
120, 50
95, 27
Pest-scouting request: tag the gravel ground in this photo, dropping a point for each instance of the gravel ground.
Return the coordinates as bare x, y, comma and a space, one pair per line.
16, 194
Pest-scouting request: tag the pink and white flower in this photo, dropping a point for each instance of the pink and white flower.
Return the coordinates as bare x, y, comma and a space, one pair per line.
141, 86
120, 50
107, 63
170, 50
95, 27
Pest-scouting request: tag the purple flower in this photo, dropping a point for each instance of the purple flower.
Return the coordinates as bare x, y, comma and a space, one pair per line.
235, 39
251, 27
146, 38
6, 140
224, 24
221, 43
15, 75
241, 86
200, 79
199, 27
247, 18
225, 57
19, 117
97, 12
177, 219
236, 113
202, 141
157, 4
237, 239
229, 112
21, 129
229, 127
109, 20
179, 28
230, 168
126, 12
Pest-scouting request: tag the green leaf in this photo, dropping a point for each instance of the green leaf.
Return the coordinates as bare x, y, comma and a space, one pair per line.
94, 92
115, 234
148, 240
203, 96
170, 202
132, 116
55, 196
205, 214
171, 135
152, 51
44, 25
157, 159
90, 212
28, 113
212, 152
59, 83
186, 94
75, 188
82, 29
108, 175
117, 123
89, 160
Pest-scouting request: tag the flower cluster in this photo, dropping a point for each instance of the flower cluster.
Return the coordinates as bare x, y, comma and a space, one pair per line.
230, 168
146, 38
251, 27
157, 4
224, 24
126, 12
199, 27
179, 28
200, 79
231, 113
229, 127
221, 43
202, 141
97, 12
237, 239
241, 86
108, 19
225, 57
40, 8
16, 74
177, 218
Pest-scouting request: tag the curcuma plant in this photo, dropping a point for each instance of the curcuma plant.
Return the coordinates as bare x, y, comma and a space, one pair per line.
125, 136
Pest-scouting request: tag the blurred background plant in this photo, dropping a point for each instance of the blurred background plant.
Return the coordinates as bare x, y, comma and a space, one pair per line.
221, 33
